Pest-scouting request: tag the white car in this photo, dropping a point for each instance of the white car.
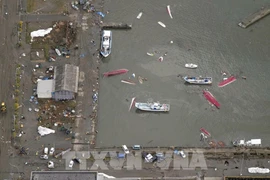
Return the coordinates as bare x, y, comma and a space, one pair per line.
182, 154
46, 150
50, 165
125, 149
45, 156
71, 164
52, 151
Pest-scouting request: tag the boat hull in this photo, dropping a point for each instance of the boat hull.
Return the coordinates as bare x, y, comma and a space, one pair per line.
198, 80
147, 107
211, 98
115, 72
227, 81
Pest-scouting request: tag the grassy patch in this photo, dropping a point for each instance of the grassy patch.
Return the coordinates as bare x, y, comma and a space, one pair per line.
30, 5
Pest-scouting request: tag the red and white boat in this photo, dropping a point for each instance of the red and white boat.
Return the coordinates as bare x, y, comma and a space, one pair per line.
211, 98
227, 81
115, 72
169, 11
205, 132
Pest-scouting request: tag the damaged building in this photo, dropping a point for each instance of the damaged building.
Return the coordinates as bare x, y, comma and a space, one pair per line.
63, 86
66, 82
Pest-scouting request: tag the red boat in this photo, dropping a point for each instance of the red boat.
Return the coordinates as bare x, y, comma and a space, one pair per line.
211, 98
115, 72
227, 81
205, 132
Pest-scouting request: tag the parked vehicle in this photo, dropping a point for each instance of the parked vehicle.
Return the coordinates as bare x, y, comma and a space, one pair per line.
52, 151
71, 163
50, 165
125, 149
77, 160
136, 147
46, 150
182, 154
3, 107
45, 156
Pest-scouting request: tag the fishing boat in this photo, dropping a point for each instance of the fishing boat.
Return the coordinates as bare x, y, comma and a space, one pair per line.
155, 106
115, 72
227, 81
198, 80
106, 43
205, 132
191, 66
169, 11
211, 98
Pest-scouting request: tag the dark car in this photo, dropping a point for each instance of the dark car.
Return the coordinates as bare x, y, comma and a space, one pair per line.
77, 160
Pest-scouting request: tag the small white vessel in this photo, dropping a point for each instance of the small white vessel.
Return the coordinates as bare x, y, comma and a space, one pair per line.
139, 15
191, 66
162, 24
106, 43
155, 106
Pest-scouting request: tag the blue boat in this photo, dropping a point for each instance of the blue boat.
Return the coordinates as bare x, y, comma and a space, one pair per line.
198, 80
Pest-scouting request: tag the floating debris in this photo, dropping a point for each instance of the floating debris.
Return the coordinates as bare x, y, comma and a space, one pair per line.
132, 103
150, 54
139, 15
160, 58
162, 24
128, 82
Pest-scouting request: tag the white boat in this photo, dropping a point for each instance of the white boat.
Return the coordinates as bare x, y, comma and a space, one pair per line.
169, 11
191, 66
139, 15
198, 80
155, 106
162, 24
106, 43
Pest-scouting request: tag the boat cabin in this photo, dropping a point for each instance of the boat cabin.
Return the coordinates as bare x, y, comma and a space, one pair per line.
156, 106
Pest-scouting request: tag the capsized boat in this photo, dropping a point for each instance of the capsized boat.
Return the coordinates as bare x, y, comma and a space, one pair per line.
211, 98
115, 72
191, 66
198, 80
169, 11
106, 43
155, 106
227, 81
205, 132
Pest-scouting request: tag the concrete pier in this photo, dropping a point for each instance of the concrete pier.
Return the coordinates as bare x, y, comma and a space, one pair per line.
255, 17
116, 26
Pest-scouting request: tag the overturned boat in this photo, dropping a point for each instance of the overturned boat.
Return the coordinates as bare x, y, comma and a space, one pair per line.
209, 96
155, 106
115, 72
198, 80
227, 81
106, 43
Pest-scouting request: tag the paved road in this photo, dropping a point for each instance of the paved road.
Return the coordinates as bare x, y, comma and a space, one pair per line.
9, 17
43, 17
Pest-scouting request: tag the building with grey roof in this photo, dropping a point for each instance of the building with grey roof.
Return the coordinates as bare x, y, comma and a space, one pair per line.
66, 82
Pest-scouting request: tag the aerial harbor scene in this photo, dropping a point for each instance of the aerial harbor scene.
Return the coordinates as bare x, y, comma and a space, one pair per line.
134, 89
